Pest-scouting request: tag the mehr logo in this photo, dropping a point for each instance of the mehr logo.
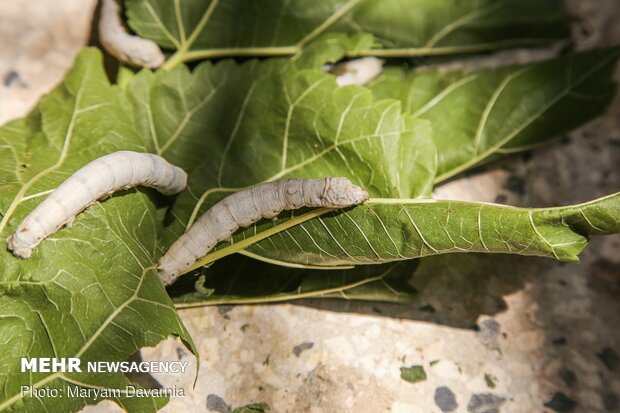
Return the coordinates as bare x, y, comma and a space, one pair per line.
51, 365
72, 365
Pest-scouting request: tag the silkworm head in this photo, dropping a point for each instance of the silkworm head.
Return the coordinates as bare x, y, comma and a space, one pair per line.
167, 273
19, 247
145, 54
340, 193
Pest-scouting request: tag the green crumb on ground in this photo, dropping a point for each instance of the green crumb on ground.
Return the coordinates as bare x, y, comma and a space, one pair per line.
490, 380
252, 408
413, 374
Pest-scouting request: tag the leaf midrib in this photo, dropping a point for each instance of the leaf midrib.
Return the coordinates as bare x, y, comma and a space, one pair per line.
289, 296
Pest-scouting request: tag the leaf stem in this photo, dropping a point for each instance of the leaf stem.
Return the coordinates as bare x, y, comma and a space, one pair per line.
183, 54
293, 264
285, 296
236, 247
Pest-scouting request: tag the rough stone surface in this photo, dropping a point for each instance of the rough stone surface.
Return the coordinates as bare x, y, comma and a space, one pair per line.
485, 403
39, 40
445, 399
217, 404
543, 333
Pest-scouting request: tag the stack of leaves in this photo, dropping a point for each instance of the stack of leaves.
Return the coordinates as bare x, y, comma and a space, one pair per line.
92, 291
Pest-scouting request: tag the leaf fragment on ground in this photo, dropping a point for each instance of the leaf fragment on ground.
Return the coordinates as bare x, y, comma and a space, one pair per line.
413, 374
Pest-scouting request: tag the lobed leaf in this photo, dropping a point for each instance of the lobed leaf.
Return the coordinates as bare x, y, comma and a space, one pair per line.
240, 125
92, 291
481, 114
385, 230
200, 29
315, 129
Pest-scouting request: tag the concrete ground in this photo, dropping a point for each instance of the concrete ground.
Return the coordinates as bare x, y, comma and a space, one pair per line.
516, 335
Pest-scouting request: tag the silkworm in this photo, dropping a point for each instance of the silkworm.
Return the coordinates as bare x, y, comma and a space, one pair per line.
357, 71
99, 178
122, 45
246, 207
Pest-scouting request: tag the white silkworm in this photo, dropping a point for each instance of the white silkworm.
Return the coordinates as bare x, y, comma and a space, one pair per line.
358, 71
122, 45
246, 207
99, 178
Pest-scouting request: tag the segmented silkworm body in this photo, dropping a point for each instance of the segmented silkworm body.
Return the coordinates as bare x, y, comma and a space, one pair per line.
122, 45
99, 178
246, 207
357, 71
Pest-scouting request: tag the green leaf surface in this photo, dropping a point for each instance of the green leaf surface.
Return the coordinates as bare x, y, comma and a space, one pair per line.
199, 29
312, 129
481, 114
385, 230
240, 125
435, 227
351, 135
90, 291
239, 280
